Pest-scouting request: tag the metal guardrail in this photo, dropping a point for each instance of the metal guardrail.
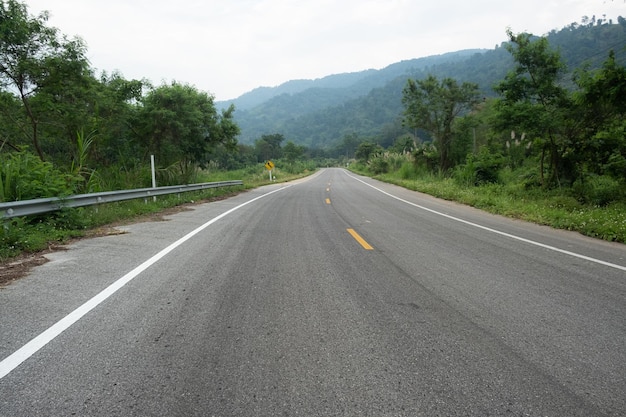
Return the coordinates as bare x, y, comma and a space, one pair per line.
44, 205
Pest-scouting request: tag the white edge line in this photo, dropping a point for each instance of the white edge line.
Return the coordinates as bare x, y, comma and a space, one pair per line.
531, 242
29, 349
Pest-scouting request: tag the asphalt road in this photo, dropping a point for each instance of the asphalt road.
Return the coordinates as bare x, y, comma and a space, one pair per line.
336, 295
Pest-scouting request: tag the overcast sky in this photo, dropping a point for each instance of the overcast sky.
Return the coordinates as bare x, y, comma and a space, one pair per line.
229, 47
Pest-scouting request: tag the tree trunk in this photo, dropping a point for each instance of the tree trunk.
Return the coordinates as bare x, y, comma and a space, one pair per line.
34, 124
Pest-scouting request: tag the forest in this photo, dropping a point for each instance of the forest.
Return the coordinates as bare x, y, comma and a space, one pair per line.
542, 113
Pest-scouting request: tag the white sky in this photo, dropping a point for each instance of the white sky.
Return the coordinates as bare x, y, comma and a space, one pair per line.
229, 47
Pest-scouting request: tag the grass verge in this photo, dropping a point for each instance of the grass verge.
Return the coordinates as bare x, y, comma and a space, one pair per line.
553, 208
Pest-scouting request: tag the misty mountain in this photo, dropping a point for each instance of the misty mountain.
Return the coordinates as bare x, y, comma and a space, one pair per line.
319, 113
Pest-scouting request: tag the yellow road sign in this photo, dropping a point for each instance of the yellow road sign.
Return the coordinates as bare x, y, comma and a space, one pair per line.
269, 165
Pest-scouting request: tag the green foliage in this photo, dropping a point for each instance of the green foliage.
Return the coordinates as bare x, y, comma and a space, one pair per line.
599, 190
378, 165
43, 68
556, 208
297, 167
600, 108
268, 147
23, 176
426, 156
408, 171
180, 123
183, 172
435, 105
293, 152
87, 177
480, 169
534, 101
366, 150
348, 145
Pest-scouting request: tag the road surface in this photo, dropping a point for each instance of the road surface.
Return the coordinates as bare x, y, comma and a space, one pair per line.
335, 295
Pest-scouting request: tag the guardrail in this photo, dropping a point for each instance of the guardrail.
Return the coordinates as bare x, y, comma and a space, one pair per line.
44, 205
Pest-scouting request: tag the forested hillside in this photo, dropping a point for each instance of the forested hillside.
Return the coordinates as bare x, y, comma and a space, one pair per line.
319, 113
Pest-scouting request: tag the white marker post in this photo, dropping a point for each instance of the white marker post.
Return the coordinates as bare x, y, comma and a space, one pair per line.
153, 174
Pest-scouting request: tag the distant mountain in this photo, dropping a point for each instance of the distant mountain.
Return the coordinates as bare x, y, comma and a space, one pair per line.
319, 113
262, 94
353, 84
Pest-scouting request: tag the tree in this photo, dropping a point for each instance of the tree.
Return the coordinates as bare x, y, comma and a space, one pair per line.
268, 147
178, 123
34, 58
114, 116
293, 152
348, 145
10, 116
404, 144
365, 150
534, 102
601, 105
434, 105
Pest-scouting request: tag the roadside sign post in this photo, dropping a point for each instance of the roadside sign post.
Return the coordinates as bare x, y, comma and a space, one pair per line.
269, 165
153, 170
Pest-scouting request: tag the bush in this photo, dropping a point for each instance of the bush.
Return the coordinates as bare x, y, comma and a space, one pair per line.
378, 165
23, 176
426, 156
599, 190
483, 168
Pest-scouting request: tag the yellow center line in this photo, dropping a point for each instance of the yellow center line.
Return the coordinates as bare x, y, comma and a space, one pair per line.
359, 239
328, 201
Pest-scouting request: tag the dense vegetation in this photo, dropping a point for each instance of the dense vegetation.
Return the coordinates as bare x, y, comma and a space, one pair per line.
537, 116
64, 129
539, 141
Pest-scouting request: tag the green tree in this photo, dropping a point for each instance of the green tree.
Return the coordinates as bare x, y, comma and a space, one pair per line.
36, 61
601, 105
404, 143
293, 152
269, 147
178, 123
365, 150
534, 102
114, 116
434, 105
348, 145
10, 117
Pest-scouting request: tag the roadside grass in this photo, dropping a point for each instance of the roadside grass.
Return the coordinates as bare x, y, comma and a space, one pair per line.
555, 208
23, 235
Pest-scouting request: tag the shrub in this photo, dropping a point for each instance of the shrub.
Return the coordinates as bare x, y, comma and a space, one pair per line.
378, 165
480, 169
23, 176
426, 156
599, 190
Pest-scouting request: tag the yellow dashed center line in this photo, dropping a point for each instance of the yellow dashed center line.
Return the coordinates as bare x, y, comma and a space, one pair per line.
328, 201
359, 239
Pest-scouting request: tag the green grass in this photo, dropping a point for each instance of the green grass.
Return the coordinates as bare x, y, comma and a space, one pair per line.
555, 208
